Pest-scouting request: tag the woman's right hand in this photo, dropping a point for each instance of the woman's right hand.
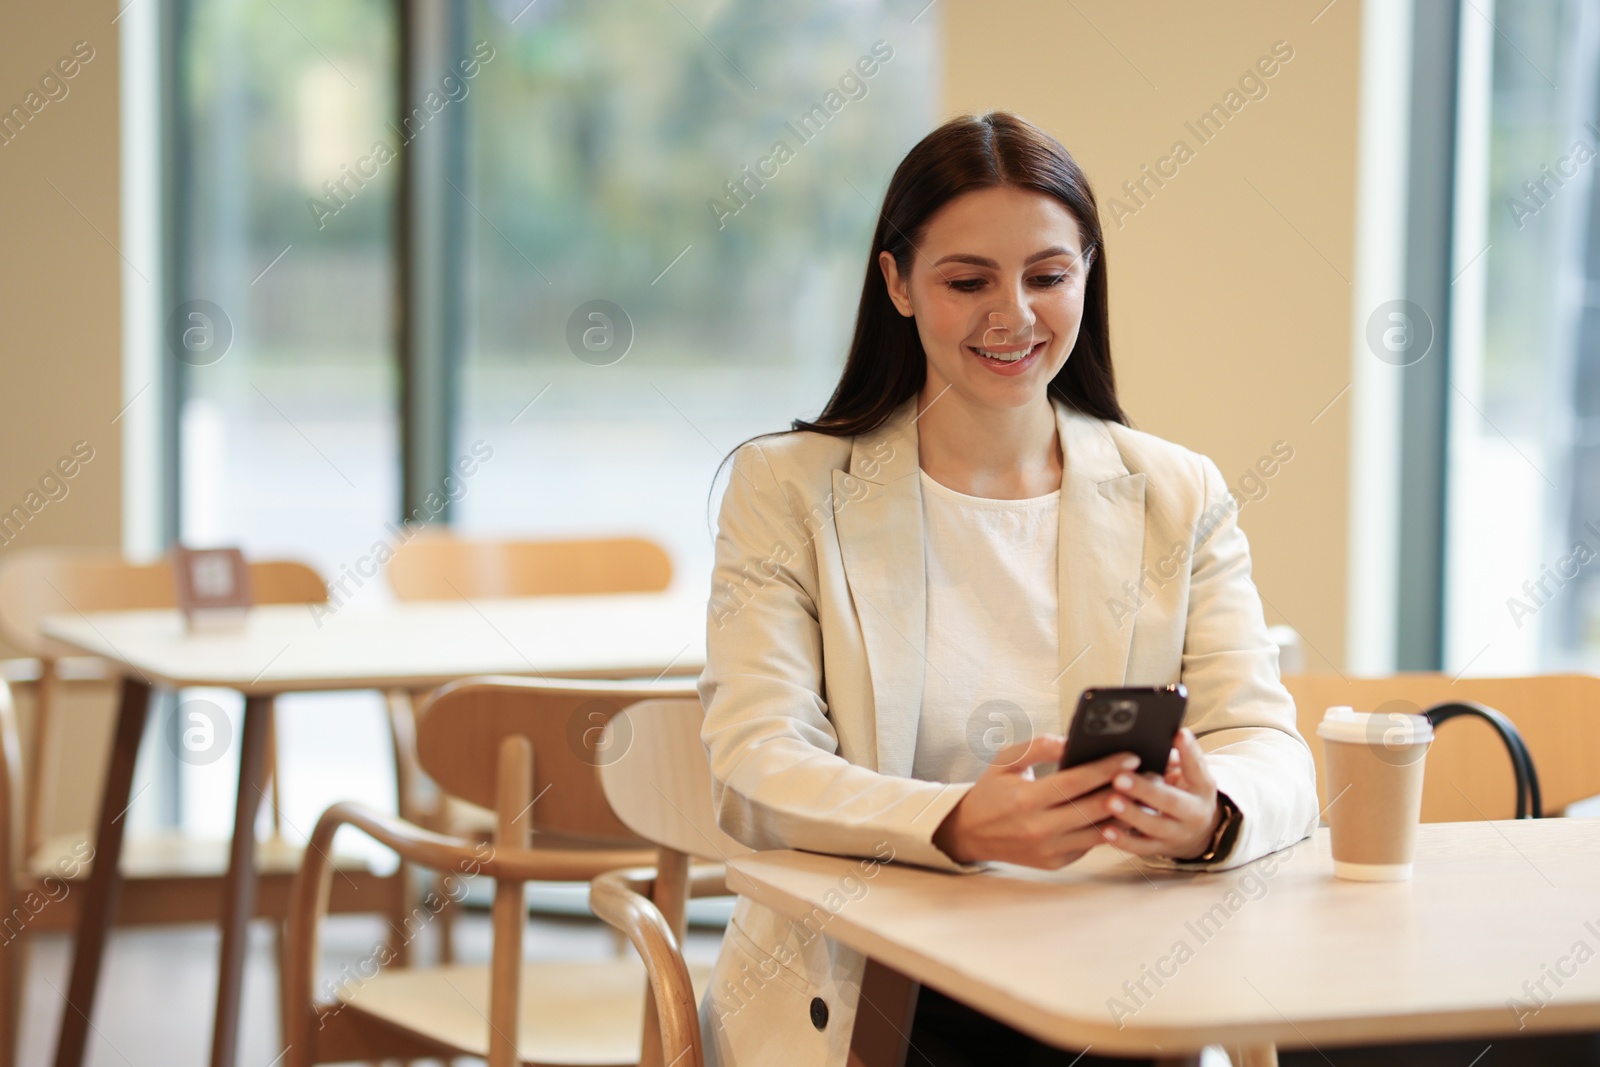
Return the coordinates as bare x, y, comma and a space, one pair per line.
1047, 822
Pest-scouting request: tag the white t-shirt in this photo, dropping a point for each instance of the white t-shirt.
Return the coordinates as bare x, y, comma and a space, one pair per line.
991, 675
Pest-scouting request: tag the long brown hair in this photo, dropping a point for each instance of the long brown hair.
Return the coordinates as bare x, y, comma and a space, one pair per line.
886, 365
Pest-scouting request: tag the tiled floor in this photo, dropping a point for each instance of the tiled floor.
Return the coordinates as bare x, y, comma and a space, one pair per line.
158, 983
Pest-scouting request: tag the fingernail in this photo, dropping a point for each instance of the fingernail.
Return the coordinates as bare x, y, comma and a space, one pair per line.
1130, 762
1111, 835
1123, 782
1116, 805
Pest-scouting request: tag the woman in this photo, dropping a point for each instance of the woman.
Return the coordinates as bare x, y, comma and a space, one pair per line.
967, 537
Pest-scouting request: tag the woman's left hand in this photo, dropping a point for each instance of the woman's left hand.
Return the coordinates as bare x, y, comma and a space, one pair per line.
1174, 815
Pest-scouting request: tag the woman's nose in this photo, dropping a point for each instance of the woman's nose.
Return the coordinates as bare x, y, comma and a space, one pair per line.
1009, 325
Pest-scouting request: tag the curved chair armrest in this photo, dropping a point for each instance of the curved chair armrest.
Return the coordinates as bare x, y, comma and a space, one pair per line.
425, 848
614, 898
309, 904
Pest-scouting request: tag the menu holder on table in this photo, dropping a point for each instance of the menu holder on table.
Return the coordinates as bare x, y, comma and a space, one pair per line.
213, 586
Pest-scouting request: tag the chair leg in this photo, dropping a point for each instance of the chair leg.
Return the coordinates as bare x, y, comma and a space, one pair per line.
11, 962
403, 736
280, 958
445, 919
39, 774
513, 790
402, 905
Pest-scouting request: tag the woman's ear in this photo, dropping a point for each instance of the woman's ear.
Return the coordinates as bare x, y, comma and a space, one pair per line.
899, 288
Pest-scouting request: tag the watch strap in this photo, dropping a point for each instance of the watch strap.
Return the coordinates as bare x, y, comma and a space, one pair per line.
1226, 833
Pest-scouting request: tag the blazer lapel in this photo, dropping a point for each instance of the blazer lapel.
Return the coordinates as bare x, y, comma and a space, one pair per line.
877, 507
1099, 556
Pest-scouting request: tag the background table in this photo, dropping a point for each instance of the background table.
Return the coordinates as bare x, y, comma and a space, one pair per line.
286, 648
1276, 952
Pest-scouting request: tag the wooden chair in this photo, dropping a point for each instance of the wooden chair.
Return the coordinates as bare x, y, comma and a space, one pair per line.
661, 790
39, 582
437, 565
440, 566
1469, 773
518, 747
168, 878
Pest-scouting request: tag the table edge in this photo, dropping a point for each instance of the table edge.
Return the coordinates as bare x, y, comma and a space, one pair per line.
1133, 1037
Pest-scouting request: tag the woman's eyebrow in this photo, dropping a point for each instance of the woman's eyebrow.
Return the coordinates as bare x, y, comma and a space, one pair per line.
985, 261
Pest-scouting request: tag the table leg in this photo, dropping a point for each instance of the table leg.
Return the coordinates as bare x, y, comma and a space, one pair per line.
99, 901
883, 1018
239, 892
1254, 1056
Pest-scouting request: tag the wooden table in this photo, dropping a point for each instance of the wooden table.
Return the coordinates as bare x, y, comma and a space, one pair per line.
1161, 963
289, 648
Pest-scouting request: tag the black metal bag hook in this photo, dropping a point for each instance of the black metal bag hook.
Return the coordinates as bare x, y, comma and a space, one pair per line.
1530, 804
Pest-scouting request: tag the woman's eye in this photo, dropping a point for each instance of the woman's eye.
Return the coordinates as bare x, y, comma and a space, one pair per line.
1049, 281
966, 285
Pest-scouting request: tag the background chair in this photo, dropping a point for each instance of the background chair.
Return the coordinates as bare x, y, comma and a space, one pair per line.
507, 745
168, 877
437, 565
39, 582
440, 566
1469, 774
661, 790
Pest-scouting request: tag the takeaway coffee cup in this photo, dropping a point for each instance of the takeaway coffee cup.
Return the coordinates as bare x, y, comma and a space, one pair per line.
1374, 763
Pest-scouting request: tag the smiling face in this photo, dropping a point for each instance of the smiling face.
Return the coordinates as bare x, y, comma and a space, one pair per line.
996, 285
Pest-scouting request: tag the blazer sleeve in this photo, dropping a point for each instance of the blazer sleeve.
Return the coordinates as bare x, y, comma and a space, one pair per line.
778, 780
1239, 710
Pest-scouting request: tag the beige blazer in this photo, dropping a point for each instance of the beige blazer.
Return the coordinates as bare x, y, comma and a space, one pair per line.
814, 669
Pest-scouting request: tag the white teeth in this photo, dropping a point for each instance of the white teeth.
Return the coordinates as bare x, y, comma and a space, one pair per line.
1004, 357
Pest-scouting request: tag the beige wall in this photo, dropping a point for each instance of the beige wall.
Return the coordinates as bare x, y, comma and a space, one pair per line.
1230, 291
61, 275
61, 316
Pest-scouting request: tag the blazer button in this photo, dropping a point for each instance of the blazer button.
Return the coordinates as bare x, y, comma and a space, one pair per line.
819, 1013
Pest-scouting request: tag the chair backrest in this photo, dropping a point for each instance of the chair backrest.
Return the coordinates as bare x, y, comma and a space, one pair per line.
37, 582
10, 802
439, 566
1469, 773
660, 785
461, 731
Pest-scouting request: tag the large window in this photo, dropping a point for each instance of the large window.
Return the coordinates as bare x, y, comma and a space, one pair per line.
282, 294
639, 230
280, 325
1524, 488
668, 208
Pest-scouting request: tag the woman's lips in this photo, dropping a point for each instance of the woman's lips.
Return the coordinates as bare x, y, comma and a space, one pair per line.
1008, 367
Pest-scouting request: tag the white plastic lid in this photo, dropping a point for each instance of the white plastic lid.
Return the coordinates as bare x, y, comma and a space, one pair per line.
1390, 729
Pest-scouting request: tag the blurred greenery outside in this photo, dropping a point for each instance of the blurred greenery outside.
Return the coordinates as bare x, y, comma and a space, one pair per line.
1523, 478
596, 136
599, 133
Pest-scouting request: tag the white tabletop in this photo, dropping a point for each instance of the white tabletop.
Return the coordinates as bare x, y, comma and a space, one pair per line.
415, 645
1295, 957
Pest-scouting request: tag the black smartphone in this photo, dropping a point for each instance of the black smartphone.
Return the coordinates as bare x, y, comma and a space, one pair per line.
1143, 720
